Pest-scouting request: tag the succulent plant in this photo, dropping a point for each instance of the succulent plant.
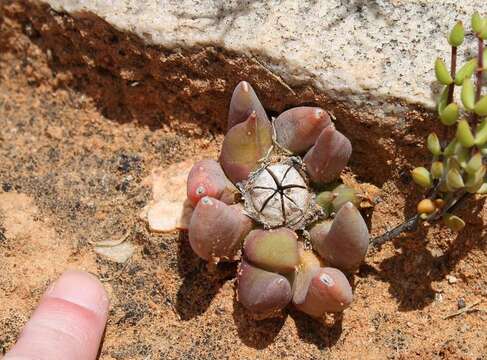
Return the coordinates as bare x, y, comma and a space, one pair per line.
459, 154
257, 202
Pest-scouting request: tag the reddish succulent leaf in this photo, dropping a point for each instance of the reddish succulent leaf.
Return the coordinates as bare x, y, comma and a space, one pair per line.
346, 243
261, 292
328, 157
217, 230
329, 291
244, 102
273, 250
318, 233
207, 178
309, 264
298, 128
244, 145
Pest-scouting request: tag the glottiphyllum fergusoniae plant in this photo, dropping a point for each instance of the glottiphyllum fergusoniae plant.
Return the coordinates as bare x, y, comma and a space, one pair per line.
459, 154
257, 202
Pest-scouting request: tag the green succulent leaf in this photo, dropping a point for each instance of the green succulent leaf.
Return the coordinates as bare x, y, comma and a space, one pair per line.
481, 133
480, 107
442, 100
454, 179
474, 163
457, 35
442, 73
468, 94
433, 144
475, 180
477, 22
464, 134
449, 115
437, 169
422, 177
453, 222
483, 189
466, 71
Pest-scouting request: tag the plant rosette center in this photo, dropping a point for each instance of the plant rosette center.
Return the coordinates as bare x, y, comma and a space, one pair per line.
277, 194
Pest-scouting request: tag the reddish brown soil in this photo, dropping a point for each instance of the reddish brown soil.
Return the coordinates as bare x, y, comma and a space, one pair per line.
76, 139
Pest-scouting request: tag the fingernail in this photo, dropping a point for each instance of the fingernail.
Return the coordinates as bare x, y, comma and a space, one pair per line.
80, 288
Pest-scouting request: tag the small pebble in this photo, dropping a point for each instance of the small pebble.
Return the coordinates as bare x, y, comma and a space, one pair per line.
451, 279
461, 303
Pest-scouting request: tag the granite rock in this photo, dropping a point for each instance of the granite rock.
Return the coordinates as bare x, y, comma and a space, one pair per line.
363, 50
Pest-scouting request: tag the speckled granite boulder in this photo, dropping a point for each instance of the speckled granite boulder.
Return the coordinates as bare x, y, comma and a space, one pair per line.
365, 49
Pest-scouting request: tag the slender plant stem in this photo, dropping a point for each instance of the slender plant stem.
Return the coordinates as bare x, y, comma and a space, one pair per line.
480, 66
451, 90
412, 223
453, 70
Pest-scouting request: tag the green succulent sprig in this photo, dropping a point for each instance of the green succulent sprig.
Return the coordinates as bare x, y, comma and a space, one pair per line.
459, 154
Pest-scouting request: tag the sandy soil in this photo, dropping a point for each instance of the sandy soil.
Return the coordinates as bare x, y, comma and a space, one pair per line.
71, 170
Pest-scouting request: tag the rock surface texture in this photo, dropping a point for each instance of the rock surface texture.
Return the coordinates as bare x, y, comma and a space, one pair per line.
368, 50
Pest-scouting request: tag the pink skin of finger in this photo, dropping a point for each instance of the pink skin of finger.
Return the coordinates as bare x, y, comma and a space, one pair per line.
68, 322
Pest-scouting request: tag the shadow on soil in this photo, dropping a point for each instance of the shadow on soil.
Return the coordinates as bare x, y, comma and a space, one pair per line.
200, 284
412, 270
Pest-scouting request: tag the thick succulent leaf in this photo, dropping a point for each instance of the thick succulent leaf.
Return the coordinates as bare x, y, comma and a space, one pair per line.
329, 156
318, 233
207, 178
262, 292
329, 291
272, 250
298, 128
217, 230
309, 265
244, 145
346, 243
244, 102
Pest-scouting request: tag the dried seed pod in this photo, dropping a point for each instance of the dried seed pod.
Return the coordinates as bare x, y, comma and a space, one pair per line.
346, 243
217, 230
207, 178
298, 128
309, 265
244, 145
328, 156
272, 250
329, 291
442, 73
262, 292
243, 103
422, 177
466, 71
277, 195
